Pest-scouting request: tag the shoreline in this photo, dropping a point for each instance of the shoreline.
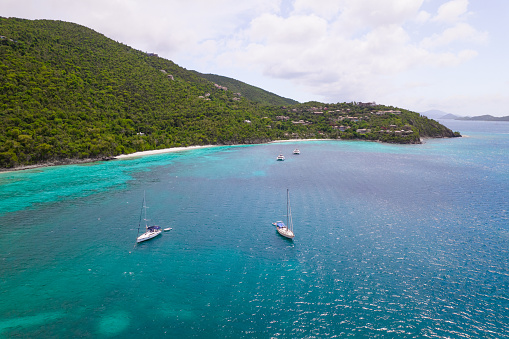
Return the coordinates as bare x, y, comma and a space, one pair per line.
110, 158
53, 164
145, 153
131, 155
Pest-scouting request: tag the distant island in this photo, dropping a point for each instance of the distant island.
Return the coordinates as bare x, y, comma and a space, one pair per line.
71, 95
484, 118
437, 114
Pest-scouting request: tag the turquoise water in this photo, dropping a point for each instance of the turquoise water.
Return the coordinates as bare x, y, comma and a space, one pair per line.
404, 241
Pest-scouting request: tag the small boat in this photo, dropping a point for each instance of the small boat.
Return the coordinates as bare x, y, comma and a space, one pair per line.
168, 229
150, 231
296, 151
280, 157
286, 230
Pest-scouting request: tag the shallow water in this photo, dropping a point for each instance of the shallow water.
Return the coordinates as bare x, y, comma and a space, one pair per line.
404, 241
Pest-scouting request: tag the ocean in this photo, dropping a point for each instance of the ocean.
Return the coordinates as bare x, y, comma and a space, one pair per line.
391, 241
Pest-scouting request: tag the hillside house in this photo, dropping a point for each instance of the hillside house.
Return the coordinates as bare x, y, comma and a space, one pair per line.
221, 87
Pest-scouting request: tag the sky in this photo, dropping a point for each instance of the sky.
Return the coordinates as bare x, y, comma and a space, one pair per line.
448, 55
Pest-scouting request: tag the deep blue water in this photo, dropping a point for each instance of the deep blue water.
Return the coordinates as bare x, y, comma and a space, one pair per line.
405, 241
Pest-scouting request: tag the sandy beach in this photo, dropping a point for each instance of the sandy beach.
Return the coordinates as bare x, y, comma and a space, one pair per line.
160, 151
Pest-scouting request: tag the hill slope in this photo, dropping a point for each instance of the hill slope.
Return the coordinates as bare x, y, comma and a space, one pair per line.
69, 93
250, 92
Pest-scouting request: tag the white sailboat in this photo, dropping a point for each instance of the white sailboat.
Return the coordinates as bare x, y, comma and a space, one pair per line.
150, 231
286, 230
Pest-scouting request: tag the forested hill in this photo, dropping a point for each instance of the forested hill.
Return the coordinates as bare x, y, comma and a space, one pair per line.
250, 92
69, 93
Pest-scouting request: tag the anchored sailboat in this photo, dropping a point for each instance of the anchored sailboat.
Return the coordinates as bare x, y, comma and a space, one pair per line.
150, 231
286, 230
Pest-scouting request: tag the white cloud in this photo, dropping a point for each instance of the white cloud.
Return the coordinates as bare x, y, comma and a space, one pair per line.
460, 32
296, 30
324, 55
324, 8
373, 13
452, 11
422, 17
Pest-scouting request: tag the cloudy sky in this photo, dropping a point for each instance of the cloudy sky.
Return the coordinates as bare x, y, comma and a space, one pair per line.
450, 55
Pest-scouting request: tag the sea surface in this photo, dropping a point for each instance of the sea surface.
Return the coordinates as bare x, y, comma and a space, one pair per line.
392, 241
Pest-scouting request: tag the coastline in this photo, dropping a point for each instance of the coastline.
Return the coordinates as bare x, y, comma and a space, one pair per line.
131, 155
52, 164
90, 160
139, 154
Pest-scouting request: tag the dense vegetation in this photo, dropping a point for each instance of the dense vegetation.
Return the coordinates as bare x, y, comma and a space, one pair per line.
247, 91
69, 93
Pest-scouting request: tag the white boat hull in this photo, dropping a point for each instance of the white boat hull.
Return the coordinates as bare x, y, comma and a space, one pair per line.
148, 235
285, 232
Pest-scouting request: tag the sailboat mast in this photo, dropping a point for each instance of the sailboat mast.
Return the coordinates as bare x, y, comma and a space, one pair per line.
287, 208
141, 214
145, 208
289, 213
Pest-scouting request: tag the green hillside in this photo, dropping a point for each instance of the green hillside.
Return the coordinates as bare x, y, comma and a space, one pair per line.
247, 91
69, 93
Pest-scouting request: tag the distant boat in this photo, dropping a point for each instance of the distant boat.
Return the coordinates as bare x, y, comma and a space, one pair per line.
280, 157
150, 231
296, 151
286, 230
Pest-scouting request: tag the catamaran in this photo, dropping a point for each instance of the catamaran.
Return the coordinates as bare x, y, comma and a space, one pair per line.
296, 151
286, 230
150, 231
281, 157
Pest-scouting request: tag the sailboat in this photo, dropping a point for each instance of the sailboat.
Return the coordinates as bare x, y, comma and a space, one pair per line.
286, 230
150, 231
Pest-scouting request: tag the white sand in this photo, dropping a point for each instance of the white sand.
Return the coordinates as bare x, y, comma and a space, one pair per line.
160, 151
